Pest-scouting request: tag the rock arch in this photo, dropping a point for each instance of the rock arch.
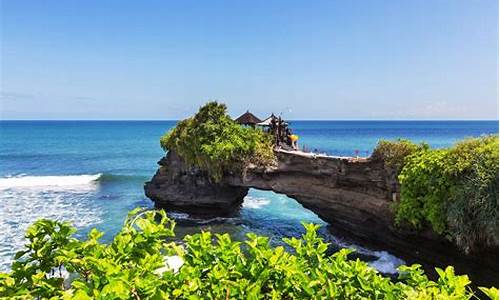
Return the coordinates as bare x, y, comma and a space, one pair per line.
353, 195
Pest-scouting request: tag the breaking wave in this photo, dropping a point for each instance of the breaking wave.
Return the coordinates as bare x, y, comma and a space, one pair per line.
20, 209
47, 181
386, 262
255, 203
122, 178
24, 199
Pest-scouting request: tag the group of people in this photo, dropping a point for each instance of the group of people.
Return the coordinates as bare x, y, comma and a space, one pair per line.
283, 136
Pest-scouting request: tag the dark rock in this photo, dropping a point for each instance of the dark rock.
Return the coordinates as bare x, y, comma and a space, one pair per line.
178, 187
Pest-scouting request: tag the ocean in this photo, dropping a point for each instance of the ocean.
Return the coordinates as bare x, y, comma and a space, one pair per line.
91, 173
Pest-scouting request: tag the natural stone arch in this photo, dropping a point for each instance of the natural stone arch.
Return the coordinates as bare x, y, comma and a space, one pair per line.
353, 195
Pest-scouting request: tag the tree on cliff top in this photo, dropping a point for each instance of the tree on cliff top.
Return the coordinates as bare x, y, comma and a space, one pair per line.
212, 141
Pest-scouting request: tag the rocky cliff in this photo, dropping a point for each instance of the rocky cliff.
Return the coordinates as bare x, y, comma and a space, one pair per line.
353, 195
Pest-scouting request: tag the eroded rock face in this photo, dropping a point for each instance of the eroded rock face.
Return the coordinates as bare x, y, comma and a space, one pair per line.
353, 195
187, 189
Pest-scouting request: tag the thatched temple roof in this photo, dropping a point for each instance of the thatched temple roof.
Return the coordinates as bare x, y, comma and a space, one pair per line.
248, 119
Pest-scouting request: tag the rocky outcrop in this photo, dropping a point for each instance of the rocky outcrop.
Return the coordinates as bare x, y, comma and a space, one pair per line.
178, 187
353, 195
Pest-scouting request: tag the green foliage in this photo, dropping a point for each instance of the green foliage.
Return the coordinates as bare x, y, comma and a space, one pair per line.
454, 190
212, 141
424, 189
393, 153
492, 292
137, 265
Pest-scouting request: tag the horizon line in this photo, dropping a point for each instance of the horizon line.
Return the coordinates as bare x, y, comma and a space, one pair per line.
176, 120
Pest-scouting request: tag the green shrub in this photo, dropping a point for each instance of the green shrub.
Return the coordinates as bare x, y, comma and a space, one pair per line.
423, 190
454, 190
137, 264
472, 210
393, 153
212, 141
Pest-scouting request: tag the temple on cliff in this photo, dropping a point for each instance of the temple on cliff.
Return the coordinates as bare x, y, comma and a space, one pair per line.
276, 126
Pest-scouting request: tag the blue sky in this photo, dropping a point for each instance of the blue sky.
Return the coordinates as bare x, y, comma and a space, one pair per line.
307, 60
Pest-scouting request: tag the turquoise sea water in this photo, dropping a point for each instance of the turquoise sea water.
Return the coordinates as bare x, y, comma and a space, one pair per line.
91, 173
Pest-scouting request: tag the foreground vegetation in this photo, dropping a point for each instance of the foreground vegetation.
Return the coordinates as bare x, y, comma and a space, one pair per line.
213, 142
141, 263
454, 190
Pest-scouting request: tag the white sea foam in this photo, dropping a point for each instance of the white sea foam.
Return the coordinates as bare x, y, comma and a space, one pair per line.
47, 181
386, 262
178, 215
217, 219
28, 198
183, 216
255, 203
